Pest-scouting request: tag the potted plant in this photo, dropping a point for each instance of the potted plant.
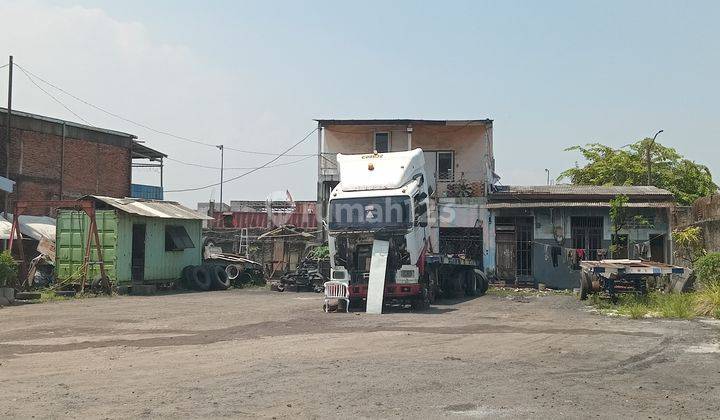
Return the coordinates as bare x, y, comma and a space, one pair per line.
8, 275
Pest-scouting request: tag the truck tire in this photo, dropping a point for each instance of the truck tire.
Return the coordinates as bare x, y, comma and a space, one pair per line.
482, 282
470, 283
219, 277
585, 285
200, 278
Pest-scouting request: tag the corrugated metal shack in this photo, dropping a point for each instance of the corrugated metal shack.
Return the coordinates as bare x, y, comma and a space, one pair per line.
538, 234
144, 241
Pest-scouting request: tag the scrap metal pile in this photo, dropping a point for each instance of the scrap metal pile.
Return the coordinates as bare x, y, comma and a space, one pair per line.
309, 276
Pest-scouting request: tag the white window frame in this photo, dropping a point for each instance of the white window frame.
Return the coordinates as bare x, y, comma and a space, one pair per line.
389, 137
452, 165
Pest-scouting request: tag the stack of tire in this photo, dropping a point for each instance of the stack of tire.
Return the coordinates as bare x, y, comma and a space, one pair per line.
205, 277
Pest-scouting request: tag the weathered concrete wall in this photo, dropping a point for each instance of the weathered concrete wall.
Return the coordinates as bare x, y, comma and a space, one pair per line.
472, 145
546, 220
705, 213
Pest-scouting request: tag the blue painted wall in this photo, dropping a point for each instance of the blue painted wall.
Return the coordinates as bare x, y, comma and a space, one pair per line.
547, 221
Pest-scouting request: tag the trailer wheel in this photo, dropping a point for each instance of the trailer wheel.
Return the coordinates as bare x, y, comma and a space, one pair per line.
219, 277
200, 278
585, 285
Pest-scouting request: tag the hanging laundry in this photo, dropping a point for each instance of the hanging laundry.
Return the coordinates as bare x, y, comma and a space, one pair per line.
555, 252
580, 253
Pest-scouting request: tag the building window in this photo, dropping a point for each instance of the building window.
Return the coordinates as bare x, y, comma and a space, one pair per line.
445, 166
586, 235
382, 142
177, 238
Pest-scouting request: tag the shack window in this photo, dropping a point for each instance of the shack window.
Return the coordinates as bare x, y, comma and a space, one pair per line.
177, 238
382, 142
445, 165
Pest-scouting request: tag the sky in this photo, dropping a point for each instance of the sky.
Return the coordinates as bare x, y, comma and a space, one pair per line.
254, 75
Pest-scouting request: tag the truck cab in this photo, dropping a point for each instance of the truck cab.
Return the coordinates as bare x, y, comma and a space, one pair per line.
381, 196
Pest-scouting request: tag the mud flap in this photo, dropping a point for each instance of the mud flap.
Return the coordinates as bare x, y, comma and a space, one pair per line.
376, 283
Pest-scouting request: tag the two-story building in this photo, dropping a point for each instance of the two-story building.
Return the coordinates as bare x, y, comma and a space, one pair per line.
459, 161
521, 234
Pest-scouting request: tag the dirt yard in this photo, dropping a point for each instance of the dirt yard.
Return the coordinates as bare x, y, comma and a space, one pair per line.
255, 353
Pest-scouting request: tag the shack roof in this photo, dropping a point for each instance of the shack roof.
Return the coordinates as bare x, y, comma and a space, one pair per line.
150, 208
401, 121
578, 193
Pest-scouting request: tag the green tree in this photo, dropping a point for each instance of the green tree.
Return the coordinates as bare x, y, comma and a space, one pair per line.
686, 179
620, 217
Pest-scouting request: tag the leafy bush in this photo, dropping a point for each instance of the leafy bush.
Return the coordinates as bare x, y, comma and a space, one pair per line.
707, 301
8, 269
707, 269
320, 253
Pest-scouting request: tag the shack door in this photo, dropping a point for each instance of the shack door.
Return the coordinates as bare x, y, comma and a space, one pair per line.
137, 267
506, 252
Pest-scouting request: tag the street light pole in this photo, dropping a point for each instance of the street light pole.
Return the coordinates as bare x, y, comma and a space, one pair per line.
649, 161
222, 170
548, 176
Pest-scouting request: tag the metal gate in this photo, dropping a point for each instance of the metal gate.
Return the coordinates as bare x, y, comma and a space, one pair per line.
587, 235
513, 253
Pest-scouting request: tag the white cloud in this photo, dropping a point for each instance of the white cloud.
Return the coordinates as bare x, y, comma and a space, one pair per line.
121, 66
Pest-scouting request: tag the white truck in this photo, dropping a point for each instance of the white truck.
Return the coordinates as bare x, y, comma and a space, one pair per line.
381, 220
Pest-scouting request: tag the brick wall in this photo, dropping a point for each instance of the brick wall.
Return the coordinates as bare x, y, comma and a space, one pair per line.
89, 167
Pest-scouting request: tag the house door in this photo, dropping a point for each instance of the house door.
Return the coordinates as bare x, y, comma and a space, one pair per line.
505, 252
657, 248
137, 264
513, 242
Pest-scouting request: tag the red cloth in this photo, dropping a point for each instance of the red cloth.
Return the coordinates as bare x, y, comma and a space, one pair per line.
580, 253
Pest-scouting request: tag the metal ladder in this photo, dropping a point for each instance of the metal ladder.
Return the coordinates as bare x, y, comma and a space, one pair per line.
244, 248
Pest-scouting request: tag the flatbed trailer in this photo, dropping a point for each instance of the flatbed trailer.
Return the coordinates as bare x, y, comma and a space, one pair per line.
621, 276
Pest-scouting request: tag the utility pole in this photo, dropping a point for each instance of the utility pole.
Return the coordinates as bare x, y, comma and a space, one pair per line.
548, 175
649, 160
222, 169
8, 124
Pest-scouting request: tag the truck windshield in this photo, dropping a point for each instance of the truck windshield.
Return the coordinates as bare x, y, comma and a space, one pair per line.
369, 213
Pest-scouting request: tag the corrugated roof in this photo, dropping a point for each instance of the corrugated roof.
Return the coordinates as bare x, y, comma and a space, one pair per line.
566, 189
152, 208
400, 121
550, 204
15, 112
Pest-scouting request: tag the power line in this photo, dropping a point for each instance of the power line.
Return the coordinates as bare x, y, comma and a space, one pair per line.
238, 168
138, 124
53, 97
250, 171
252, 152
4, 65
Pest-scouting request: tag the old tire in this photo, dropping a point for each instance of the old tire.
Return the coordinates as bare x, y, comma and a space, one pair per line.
185, 279
219, 277
585, 285
232, 271
200, 278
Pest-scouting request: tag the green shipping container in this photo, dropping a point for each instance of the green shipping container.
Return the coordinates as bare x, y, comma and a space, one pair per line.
137, 248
